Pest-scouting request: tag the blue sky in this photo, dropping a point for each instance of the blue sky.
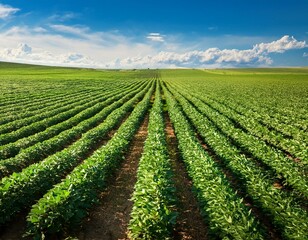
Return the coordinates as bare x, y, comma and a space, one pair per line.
130, 34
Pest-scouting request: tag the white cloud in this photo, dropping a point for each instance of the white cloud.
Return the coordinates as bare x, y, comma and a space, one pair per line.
256, 56
23, 53
77, 45
6, 11
156, 37
283, 44
55, 48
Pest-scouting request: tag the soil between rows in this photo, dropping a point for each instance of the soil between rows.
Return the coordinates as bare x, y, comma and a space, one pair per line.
190, 224
109, 220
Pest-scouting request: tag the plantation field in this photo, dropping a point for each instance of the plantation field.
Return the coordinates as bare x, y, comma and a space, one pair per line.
153, 154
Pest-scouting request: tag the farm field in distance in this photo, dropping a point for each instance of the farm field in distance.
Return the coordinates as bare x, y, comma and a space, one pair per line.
153, 154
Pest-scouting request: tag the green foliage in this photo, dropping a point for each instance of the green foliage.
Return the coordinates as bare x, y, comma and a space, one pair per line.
286, 214
253, 120
152, 216
293, 173
55, 75
284, 211
65, 205
42, 148
21, 189
228, 217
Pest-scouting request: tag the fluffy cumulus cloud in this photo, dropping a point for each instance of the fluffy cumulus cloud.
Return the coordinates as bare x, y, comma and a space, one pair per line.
72, 45
283, 44
23, 53
55, 44
6, 11
258, 55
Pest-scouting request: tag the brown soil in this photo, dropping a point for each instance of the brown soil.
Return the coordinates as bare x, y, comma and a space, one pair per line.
15, 229
109, 220
190, 224
294, 159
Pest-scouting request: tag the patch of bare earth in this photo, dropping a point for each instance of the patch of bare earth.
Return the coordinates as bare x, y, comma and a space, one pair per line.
294, 159
110, 218
190, 224
15, 229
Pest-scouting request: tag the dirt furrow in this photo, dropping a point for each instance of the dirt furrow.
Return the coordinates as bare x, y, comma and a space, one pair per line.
110, 218
190, 224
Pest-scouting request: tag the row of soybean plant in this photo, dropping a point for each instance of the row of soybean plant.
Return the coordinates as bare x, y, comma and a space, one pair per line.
26, 101
153, 215
37, 106
224, 210
282, 108
20, 190
297, 147
272, 116
28, 94
293, 173
15, 91
54, 109
40, 150
67, 203
282, 209
264, 118
50, 101
12, 149
294, 142
29, 126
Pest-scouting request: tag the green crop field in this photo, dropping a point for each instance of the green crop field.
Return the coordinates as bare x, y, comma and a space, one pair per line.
206, 154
